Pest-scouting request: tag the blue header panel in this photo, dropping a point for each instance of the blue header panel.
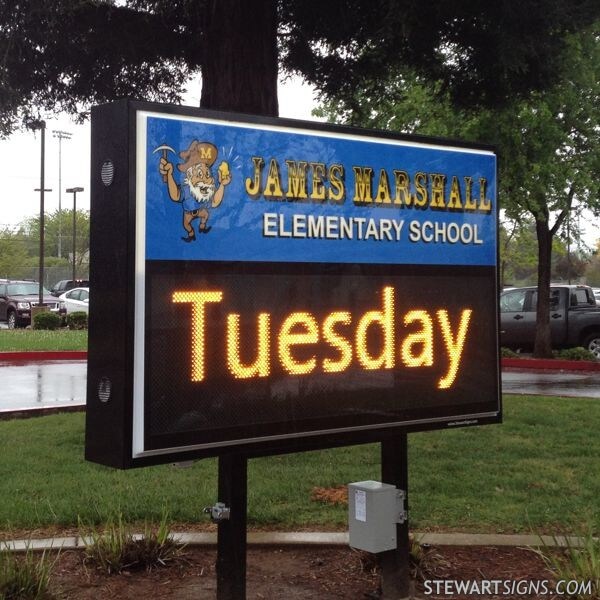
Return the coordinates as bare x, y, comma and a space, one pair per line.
224, 191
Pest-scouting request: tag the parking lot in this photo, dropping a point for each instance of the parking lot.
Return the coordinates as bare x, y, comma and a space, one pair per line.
42, 385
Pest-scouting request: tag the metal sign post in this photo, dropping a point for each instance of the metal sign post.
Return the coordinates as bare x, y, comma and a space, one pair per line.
231, 540
395, 564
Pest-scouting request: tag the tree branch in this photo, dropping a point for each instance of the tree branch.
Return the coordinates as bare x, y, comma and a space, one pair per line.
565, 212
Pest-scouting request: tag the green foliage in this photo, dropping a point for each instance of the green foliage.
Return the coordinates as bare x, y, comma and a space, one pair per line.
117, 548
577, 353
24, 340
548, 143
24, 577
19, 249
62, 222
46, 320
77, 320
519, 254
425, 561
578, 560
14, 256
593, 269
483, 52
501, 478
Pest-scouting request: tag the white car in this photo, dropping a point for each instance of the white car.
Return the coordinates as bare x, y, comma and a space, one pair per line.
74, 300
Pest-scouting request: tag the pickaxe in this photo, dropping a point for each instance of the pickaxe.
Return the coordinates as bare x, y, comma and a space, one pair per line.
164, 149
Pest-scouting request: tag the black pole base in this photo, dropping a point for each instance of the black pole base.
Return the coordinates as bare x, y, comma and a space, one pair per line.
232, 536
395, 564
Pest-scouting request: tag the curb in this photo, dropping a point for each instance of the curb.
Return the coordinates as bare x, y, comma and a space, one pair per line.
314, 538
35, 411
41, 355
550, 364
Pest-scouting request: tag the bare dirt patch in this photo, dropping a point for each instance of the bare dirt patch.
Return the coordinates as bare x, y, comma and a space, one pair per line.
292, 573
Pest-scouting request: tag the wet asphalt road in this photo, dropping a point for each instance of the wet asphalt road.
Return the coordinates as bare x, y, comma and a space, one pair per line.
552, 383
53, 384
45, 384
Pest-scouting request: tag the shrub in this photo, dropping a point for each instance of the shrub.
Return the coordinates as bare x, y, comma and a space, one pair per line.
46, 320
426, 563
577, 561
77, 320
578, 353
507, 353
118, 549
24, 577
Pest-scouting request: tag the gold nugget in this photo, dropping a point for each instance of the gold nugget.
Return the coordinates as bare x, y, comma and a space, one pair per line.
223, 171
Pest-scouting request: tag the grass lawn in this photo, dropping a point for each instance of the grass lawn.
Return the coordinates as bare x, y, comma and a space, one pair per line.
538, 471
22, 340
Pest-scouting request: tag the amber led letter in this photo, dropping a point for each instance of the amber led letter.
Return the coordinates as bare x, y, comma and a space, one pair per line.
341, 344
454, 345
306, 331
261, 366
385, 319
422, 340
198, 300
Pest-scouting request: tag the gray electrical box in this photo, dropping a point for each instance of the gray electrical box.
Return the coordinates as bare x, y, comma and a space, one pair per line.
374, 508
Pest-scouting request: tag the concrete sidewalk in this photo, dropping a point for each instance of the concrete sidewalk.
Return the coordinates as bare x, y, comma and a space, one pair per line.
313, 538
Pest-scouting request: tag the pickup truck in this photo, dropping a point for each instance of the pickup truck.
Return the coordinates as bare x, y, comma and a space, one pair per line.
574, 317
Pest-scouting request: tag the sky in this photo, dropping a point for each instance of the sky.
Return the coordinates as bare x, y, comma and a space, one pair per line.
20, 159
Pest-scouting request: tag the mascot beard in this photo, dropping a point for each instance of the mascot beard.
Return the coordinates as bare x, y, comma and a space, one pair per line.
202, 192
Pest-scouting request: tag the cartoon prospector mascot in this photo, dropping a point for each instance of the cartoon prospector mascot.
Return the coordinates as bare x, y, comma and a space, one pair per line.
198, 187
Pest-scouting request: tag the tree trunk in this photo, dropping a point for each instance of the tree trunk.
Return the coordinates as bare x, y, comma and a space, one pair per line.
543, 342
240, 63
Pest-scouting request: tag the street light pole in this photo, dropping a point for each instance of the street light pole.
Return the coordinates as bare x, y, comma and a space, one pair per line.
74, 191
42, 227
61, 135
41, 125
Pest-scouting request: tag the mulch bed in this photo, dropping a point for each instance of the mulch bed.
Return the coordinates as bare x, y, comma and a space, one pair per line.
293, 573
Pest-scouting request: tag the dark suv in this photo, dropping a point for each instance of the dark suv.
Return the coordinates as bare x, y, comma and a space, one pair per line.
64, 285
17, 298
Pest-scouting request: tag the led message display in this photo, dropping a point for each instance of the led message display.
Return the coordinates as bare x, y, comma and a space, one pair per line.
287, 285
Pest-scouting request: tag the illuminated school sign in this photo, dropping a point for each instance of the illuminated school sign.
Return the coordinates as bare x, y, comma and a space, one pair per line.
264, 285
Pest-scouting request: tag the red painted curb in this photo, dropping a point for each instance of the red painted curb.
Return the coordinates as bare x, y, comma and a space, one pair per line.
37, 355
550, 363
